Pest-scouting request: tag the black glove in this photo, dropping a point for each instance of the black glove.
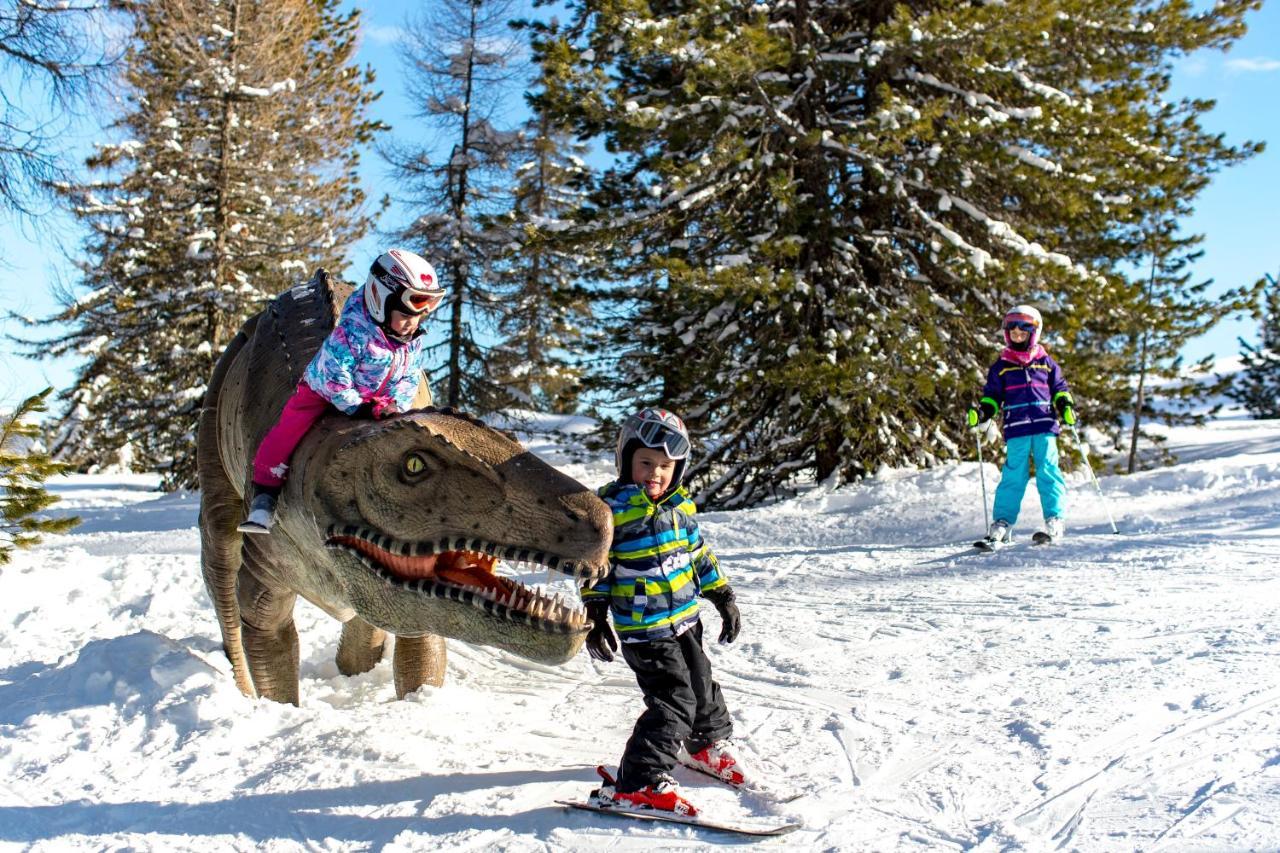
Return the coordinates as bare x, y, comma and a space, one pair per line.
601, 641
730, 619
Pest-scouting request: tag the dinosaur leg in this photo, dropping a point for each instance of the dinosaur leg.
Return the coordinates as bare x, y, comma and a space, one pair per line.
361, 646
418, 661
270, 637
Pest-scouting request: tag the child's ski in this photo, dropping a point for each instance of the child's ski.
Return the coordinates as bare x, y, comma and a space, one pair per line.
672, 817
1041, 538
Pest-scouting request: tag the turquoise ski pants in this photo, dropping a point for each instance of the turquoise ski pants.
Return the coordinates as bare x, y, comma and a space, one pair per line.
1013, 479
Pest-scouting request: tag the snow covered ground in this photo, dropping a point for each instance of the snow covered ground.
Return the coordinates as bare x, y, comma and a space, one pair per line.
1112, 693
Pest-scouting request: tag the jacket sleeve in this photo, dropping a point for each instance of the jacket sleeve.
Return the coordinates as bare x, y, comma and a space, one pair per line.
602, 588
710, 576
405, 386
994, 389
331, 373
1057, 381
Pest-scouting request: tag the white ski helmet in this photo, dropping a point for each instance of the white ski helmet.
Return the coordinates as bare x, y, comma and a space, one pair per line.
399, 280
655, 428
1023, 314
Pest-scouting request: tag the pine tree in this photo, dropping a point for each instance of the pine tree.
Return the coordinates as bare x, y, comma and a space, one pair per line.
235, 176
1168, 312
24, 467
462, 65
823, 208
50, 52
1257, 386
547, 314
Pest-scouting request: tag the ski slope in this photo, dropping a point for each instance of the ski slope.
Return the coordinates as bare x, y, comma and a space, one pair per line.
1110, 693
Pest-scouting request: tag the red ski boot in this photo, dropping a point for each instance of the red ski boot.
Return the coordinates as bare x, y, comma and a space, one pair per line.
662, 796
715, 759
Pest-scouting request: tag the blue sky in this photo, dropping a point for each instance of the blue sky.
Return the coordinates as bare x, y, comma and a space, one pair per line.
1238, 214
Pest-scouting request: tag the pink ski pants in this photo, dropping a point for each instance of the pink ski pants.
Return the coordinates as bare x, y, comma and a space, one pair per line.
271, 462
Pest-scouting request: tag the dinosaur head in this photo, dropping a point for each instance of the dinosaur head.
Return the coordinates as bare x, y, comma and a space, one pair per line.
416, 512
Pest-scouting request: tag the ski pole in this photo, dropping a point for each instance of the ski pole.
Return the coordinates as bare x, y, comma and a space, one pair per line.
1084, 453
982, 475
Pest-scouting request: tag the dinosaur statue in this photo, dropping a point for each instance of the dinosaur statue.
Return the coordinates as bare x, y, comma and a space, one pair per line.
390, 526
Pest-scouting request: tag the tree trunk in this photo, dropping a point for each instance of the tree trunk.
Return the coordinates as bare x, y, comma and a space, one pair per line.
1140, 397
461, 268
221, 212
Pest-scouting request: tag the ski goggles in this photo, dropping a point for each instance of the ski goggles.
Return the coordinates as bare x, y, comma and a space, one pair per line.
1024, 325
420, 302
656, 434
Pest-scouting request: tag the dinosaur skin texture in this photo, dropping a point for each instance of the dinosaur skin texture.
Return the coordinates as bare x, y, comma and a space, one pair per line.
392, 526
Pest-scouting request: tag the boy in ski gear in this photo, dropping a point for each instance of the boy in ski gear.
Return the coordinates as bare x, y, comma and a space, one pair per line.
659, 564
370, 364
1026, 387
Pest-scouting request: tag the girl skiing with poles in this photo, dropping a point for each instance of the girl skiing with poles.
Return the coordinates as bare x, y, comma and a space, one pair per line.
1026, 387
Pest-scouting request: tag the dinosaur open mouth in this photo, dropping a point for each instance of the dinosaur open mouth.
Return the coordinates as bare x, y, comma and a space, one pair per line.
462, 570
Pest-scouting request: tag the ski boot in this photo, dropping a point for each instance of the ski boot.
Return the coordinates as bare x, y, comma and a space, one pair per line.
715, 759
660, 795
1053, 531
997, 537
262, 513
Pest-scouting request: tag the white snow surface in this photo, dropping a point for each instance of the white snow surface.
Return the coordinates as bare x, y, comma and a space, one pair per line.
1113, 692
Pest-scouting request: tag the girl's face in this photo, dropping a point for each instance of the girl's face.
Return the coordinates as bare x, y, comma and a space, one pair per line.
652, 470
1019, 336
404, 324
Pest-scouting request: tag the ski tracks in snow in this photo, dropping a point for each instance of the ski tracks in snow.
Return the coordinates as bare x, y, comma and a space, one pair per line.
1111, 693
1066, 697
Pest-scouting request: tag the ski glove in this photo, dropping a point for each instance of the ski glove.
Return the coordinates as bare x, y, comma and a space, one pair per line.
730, 619
601, 641
980, 414
377, 408
1066, 408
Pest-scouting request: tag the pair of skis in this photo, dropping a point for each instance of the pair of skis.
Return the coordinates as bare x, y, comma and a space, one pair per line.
737, 828
1037, 538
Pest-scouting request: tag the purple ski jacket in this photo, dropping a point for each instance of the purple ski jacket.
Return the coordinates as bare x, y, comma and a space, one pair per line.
1024, 394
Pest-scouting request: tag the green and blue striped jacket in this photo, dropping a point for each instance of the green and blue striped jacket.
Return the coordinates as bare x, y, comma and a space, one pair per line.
658, 564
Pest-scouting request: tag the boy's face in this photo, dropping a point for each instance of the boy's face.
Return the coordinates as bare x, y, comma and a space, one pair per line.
404, 324
653, 471
1019, 336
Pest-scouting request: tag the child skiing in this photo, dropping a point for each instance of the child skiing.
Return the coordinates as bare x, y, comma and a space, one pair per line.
659, 564
1026, 387
370, 362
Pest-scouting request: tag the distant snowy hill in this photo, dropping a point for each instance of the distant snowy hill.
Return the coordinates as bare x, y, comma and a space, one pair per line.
1111, 693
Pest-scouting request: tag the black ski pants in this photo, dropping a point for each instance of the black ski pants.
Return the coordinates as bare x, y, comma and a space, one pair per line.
683, 704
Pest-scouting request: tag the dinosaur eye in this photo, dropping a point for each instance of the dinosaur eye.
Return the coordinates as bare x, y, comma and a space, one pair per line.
414, 464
